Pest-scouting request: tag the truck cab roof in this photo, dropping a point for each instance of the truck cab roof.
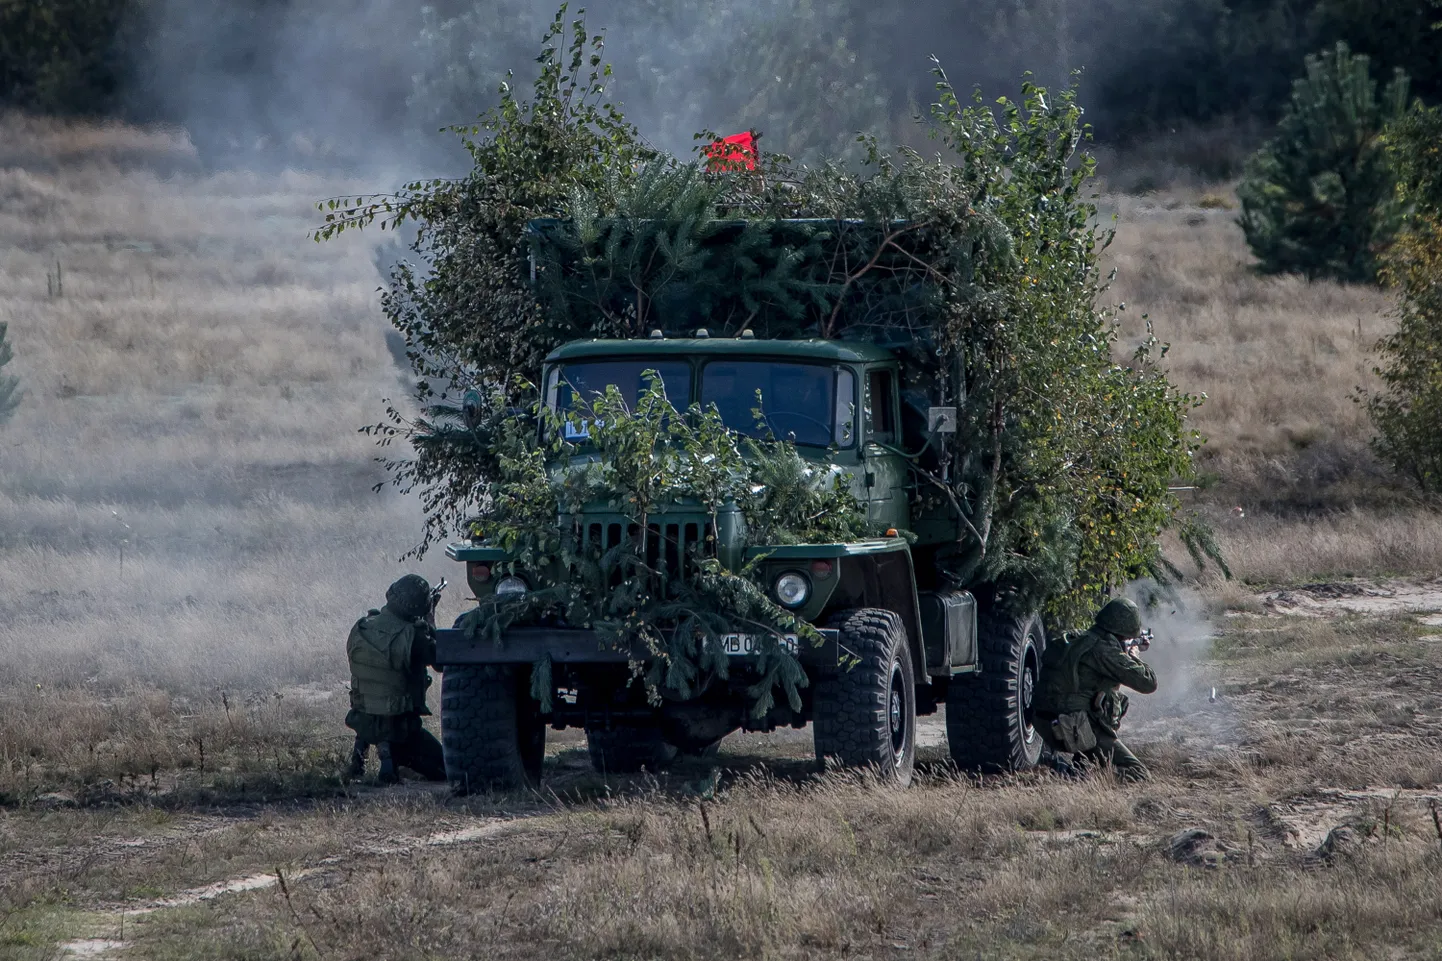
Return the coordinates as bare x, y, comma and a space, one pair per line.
833, 351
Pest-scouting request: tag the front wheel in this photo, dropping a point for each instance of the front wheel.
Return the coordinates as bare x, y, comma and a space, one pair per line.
989, 719
492, 733
866, 716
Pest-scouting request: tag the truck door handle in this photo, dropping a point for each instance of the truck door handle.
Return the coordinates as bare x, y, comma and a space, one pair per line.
870, 478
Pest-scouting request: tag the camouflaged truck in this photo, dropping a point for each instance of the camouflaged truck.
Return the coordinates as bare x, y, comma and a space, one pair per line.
897, 643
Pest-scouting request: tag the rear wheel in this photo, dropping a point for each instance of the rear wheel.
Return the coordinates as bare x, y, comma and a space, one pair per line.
628, 748
866, 716
989, 715
492, 732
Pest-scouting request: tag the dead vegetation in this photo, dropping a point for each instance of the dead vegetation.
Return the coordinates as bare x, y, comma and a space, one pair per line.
1290, 817
187, 528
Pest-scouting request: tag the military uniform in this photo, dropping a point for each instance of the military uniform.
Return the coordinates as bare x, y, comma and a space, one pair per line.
1079, 704
389, 652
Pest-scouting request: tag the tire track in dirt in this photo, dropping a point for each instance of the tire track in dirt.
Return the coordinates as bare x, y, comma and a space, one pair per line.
69, 862
260, 881
268, 879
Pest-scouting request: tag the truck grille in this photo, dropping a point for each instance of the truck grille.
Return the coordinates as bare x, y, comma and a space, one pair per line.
674, 546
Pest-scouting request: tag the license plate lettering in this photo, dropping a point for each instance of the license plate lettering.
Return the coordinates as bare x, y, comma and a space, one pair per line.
743, 645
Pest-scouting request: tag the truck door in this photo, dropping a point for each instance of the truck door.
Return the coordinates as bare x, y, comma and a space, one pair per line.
884, 470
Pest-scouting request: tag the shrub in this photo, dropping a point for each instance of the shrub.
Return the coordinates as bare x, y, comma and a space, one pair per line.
1408, 412
1318, 199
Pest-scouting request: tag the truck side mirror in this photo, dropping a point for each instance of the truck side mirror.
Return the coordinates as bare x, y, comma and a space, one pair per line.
941, 420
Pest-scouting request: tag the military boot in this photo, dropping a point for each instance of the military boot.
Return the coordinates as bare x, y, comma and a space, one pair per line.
358, 751
388, 767
1064, 764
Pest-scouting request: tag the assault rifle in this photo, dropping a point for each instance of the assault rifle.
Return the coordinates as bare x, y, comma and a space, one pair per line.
435, 599
1141, 642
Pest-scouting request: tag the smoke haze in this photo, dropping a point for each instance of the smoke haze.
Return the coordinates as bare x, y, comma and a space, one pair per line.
366, 83
1184, 705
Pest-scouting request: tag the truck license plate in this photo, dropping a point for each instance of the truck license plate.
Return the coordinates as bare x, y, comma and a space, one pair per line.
740, 645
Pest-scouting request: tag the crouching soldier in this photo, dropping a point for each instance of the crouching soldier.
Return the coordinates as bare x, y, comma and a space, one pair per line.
1079, 704
389, 652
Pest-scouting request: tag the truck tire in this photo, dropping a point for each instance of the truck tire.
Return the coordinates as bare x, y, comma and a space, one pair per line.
628, 748
865, 717
989, 714
492, 732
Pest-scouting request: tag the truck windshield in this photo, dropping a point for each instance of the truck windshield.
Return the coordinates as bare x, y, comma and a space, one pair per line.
799, 402
589, 379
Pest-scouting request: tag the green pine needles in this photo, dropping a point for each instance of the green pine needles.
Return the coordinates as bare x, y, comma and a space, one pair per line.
977, 266
636, 461
1319, 198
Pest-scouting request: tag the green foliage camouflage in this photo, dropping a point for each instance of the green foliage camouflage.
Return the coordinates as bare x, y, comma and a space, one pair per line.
978, 265
1319, 198
637, 460
9, 384
1408, 409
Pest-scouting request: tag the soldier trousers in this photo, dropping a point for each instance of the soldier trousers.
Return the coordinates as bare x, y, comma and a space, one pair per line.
1109, 752
1112, 753
407, 742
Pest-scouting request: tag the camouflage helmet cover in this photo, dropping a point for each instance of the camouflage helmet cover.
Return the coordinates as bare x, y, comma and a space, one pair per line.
410, 596
1120, 617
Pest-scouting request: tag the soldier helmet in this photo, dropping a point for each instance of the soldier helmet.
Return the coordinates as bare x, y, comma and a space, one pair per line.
1120, 617
410, 596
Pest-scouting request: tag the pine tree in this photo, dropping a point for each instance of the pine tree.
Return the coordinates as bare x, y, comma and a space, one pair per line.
9, 386
1318, 199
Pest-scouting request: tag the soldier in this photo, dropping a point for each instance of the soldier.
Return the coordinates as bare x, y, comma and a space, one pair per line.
1079, 703
389, 652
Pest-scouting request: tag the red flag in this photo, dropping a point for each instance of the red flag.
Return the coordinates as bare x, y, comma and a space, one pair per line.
736, 152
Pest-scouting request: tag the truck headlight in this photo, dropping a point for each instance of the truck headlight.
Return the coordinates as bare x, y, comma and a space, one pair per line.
511, 585
792, 589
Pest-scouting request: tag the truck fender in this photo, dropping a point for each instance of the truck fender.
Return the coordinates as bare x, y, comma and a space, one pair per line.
886, 581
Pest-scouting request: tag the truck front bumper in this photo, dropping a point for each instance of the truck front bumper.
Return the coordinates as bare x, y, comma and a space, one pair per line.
526, 645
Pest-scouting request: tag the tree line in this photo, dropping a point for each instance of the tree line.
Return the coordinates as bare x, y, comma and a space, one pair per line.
808, 73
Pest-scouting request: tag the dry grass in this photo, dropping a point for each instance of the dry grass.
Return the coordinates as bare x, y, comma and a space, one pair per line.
1278, 358
187, 529
186, 515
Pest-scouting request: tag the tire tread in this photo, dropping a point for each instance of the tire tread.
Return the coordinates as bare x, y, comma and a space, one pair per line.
850, 719
486, 741
981, 729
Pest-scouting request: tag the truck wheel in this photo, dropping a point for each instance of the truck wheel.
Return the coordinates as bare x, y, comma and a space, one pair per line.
866, 717
492, 731
628, 748
989, 714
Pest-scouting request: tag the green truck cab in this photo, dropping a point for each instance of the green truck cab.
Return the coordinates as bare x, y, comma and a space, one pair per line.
897, 641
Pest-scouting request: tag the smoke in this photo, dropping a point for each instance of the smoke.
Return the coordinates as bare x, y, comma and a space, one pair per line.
365, 84
1187, 704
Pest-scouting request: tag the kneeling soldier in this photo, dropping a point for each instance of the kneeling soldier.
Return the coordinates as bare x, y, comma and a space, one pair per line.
389, 652
1079, 704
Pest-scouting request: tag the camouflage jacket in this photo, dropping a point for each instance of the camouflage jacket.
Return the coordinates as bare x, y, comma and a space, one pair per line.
1090, 677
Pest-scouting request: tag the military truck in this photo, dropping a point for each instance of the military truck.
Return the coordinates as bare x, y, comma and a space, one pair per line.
897, 640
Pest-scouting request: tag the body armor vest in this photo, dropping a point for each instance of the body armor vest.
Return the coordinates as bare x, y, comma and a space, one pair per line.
1060, 688
379, 649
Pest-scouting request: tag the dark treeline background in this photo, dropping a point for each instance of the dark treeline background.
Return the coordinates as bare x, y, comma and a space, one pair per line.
371, 80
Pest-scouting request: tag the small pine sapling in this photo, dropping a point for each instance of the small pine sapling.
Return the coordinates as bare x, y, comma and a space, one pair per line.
1318, 199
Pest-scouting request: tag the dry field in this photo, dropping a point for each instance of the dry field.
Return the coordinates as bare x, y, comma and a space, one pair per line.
187, 528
